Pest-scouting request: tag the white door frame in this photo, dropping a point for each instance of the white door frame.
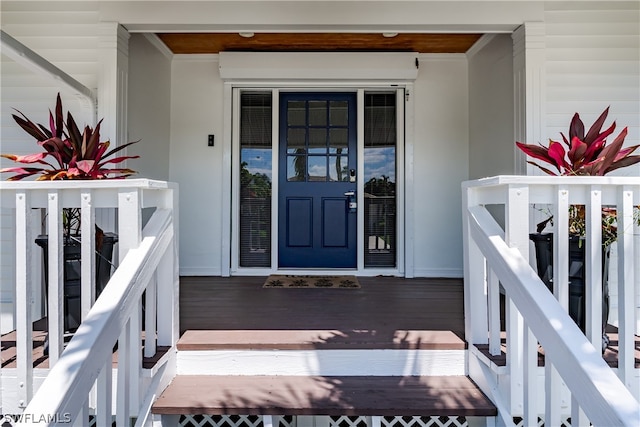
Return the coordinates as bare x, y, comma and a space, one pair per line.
232, 154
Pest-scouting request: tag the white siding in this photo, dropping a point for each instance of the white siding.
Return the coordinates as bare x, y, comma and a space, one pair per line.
593, 61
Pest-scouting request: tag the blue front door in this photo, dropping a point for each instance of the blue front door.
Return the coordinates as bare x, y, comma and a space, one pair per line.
317, 181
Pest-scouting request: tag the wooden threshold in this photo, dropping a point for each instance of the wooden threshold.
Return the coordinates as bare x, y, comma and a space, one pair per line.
319, 340
312, 395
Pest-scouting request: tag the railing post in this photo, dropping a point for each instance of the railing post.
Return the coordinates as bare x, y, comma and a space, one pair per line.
129, 353
475, 299
24, 320
516, 236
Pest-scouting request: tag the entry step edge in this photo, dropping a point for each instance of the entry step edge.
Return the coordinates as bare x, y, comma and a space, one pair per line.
200, 340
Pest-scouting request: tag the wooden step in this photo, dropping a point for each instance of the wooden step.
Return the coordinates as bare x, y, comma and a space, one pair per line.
319, 340
318, 395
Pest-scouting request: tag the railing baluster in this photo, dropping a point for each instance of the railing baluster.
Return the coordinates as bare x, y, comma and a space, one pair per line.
626, 294
561, 246
87, 252
104, 395
150, 317
578, 417
24, 320
530, 378
552, 401
55, 268
593, 267
167, 297
124, 376
493, 290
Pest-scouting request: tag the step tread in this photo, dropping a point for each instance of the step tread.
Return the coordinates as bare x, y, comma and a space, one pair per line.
315, 395
318, 340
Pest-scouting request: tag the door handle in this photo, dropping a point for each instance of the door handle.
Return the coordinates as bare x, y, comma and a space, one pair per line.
351, 197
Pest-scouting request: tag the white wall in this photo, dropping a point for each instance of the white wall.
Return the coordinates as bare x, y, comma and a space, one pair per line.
196, 111
593, 61
441, 158
149, 107
491, 114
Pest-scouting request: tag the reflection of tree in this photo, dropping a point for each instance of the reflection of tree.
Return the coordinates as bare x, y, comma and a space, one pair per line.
380, 186
339, 168
254, 184
300, 165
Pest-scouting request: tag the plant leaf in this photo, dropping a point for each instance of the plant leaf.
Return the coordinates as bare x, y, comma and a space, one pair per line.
30, 127
610, 152
594, 130
557, 153
576, 128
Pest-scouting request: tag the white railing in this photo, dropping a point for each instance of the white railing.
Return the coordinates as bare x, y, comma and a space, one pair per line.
79, 382
575, 381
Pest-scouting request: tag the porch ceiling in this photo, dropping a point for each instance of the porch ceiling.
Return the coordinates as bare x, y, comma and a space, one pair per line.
194, 43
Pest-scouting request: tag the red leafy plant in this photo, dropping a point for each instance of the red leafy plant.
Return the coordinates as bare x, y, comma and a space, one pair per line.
588, 154
581, 154
68, 154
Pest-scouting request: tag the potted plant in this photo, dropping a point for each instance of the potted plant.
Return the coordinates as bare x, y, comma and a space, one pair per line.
580, 154
69, 154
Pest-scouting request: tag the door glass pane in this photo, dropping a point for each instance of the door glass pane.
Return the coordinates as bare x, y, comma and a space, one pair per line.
338, 168
380, 180
296, 113
295, 140
317, 140
317, 113
339, 140
339, 112
255, 179
317, 168
297, 168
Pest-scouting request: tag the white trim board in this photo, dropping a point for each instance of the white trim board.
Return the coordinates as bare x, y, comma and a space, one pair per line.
322, 362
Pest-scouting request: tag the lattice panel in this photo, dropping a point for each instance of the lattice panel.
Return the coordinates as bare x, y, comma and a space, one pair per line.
233, 421
345, 421
519, 422
432, 421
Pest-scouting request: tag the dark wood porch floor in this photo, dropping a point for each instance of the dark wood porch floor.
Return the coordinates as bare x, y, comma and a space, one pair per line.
385, 312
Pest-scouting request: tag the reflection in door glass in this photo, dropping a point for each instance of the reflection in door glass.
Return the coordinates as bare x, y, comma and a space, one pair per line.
317, 140
380, 180
255, 179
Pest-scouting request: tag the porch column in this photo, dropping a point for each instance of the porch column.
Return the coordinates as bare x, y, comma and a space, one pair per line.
529, 88
113, 92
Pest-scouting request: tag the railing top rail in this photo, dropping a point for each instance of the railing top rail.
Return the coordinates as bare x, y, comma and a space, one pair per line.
504, 180
88, 184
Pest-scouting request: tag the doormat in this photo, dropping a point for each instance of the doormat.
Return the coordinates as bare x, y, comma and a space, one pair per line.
283, 281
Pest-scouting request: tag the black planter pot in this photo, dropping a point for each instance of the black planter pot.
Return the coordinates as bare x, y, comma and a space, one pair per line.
543, 243
72, 272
